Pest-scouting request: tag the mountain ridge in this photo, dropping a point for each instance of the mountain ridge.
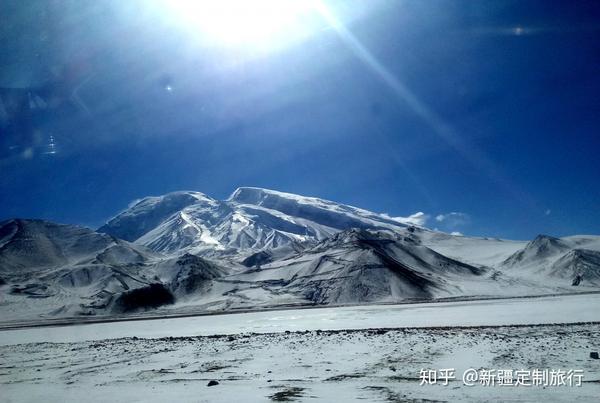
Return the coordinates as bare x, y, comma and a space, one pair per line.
263, 248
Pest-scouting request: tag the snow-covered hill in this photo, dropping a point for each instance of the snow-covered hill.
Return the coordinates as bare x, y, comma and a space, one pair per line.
260, 248
58, 269
539, 250
360, 266
28, 246
574, 259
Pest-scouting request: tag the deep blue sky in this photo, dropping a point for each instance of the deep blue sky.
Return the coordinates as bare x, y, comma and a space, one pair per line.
505, 129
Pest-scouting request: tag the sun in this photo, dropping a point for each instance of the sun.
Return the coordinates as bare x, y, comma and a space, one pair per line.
241, 22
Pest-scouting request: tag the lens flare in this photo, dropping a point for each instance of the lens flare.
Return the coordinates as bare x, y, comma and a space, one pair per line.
240, 22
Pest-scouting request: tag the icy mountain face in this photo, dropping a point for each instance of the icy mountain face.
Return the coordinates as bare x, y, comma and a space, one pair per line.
251, 220
146, 214
314, 210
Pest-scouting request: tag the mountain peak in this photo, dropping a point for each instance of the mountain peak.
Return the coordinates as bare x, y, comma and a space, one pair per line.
180, 195
541, 247
253, 195
145, 214
547, 243
35, 224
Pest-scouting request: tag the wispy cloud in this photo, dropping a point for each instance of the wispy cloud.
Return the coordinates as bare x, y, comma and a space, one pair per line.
453, 222
448, 222
419, 218
453, 219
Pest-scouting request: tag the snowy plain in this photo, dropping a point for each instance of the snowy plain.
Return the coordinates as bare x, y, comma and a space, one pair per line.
360, 353
491, 312
376, 365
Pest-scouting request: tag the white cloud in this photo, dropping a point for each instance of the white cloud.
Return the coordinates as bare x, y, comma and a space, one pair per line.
419, 218
448, 221
547, 212
456, 233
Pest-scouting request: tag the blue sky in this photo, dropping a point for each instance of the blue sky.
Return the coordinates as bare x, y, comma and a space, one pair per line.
482, 115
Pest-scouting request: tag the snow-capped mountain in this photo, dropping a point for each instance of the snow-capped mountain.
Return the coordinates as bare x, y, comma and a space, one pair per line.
146, 214
252, 219
263, 248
